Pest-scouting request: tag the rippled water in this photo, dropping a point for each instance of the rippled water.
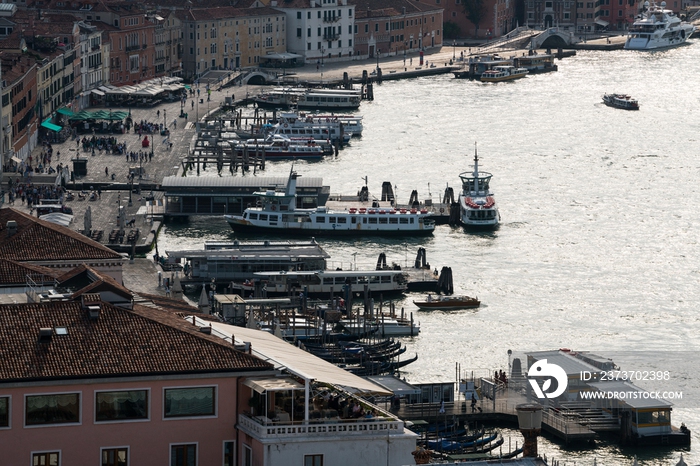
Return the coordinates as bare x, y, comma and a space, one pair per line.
598, 246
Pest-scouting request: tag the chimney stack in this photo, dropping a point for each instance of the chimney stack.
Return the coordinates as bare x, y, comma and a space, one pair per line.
11, 227
45, 335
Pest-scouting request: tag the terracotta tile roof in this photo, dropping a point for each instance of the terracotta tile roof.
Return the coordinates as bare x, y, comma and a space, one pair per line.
119, 342
91, 280
389, 8
38, 240
215, 12
14, 273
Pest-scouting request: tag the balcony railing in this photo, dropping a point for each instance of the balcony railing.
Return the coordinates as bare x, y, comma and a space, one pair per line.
263, 429
331, 19
161, 59
331, 36
129, 48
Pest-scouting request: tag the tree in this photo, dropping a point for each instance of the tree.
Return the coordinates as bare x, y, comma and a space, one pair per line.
475, 11
450, 30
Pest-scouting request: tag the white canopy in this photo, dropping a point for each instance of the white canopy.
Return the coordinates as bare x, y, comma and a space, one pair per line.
285, 356
272, 384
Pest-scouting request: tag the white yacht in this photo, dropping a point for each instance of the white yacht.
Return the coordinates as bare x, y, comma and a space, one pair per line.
476, 203
657, 28
278, 212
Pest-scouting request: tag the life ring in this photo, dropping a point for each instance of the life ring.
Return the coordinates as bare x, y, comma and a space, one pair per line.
273, 207
286, 125
442, 210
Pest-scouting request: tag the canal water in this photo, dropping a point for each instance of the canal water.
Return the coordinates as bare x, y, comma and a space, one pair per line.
598, 247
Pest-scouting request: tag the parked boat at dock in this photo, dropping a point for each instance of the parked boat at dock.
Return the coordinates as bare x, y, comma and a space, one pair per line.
477, 205
278, 212
278, 147
325, 282
536, 63
503, 73
657, 28
447, 303
622, 101
318, 98
294, 125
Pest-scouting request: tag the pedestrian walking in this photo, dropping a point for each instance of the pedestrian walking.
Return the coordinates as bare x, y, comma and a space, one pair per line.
175, 123
106, 171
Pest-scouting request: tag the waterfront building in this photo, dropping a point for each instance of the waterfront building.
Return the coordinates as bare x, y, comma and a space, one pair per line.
19, 96
227, 37
397, 28
94, 63
498, 18
551, 13
92, 383
319, 31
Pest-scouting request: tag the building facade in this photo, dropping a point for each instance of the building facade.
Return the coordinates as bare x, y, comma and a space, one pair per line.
320, 29
226, 38
392, 31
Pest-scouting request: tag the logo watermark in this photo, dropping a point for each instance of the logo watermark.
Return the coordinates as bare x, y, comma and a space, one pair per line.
548, 372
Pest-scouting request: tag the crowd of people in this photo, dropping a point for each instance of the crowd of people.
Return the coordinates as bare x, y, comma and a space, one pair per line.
109, 144
33, 194
500, 376
146, 127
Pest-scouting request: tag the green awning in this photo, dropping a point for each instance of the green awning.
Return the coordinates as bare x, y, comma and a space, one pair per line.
187, 86
65, 111
46, 124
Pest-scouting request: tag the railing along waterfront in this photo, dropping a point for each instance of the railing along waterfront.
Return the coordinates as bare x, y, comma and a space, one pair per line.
264, 429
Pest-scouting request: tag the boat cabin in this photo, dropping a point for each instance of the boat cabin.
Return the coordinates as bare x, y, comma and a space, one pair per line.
328, 281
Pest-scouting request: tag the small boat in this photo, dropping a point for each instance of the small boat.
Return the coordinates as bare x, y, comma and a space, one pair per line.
622, 101
503, 73
447, 303
657, 28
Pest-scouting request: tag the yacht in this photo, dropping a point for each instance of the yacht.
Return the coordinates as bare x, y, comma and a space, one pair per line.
476, 203
277, 212
657, 28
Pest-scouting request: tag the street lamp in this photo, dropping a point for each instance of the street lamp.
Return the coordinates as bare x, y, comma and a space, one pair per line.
404, 53
454, 50
323, 52
378, 52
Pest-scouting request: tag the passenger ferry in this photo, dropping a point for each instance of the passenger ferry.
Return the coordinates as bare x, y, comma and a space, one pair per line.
622, 101
278, 212
351, 123
536, 63
293, 125
657, 28
277, 148
503, 73
477, 205
328, 99
325, 282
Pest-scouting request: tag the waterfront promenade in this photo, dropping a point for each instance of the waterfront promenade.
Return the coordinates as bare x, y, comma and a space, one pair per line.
166, 160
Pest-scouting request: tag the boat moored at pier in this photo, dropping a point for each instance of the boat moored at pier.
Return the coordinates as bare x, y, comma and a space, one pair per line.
325, 282
503, 73
447, 303
278, 212
477, 205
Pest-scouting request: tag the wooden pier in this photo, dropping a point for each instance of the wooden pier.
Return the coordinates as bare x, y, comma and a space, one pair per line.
499, 409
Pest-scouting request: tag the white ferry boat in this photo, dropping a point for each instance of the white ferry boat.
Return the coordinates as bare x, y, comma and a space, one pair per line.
477, 205
657, 28
351, 123
503, 73
293, 125
278, 213
325, 282
327, 99
277, 148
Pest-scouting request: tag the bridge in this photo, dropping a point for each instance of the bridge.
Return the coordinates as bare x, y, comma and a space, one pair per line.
552, 38
259, 76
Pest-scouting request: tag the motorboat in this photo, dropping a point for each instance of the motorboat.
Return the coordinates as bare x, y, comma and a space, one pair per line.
657, 28
503, 73
447, 303
277, 211
622, 101
477, 205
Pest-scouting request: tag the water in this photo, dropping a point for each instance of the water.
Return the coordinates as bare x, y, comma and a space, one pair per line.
598, 247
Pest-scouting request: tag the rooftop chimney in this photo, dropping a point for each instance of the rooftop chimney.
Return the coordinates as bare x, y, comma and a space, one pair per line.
205, 330
11, 227
45, 335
